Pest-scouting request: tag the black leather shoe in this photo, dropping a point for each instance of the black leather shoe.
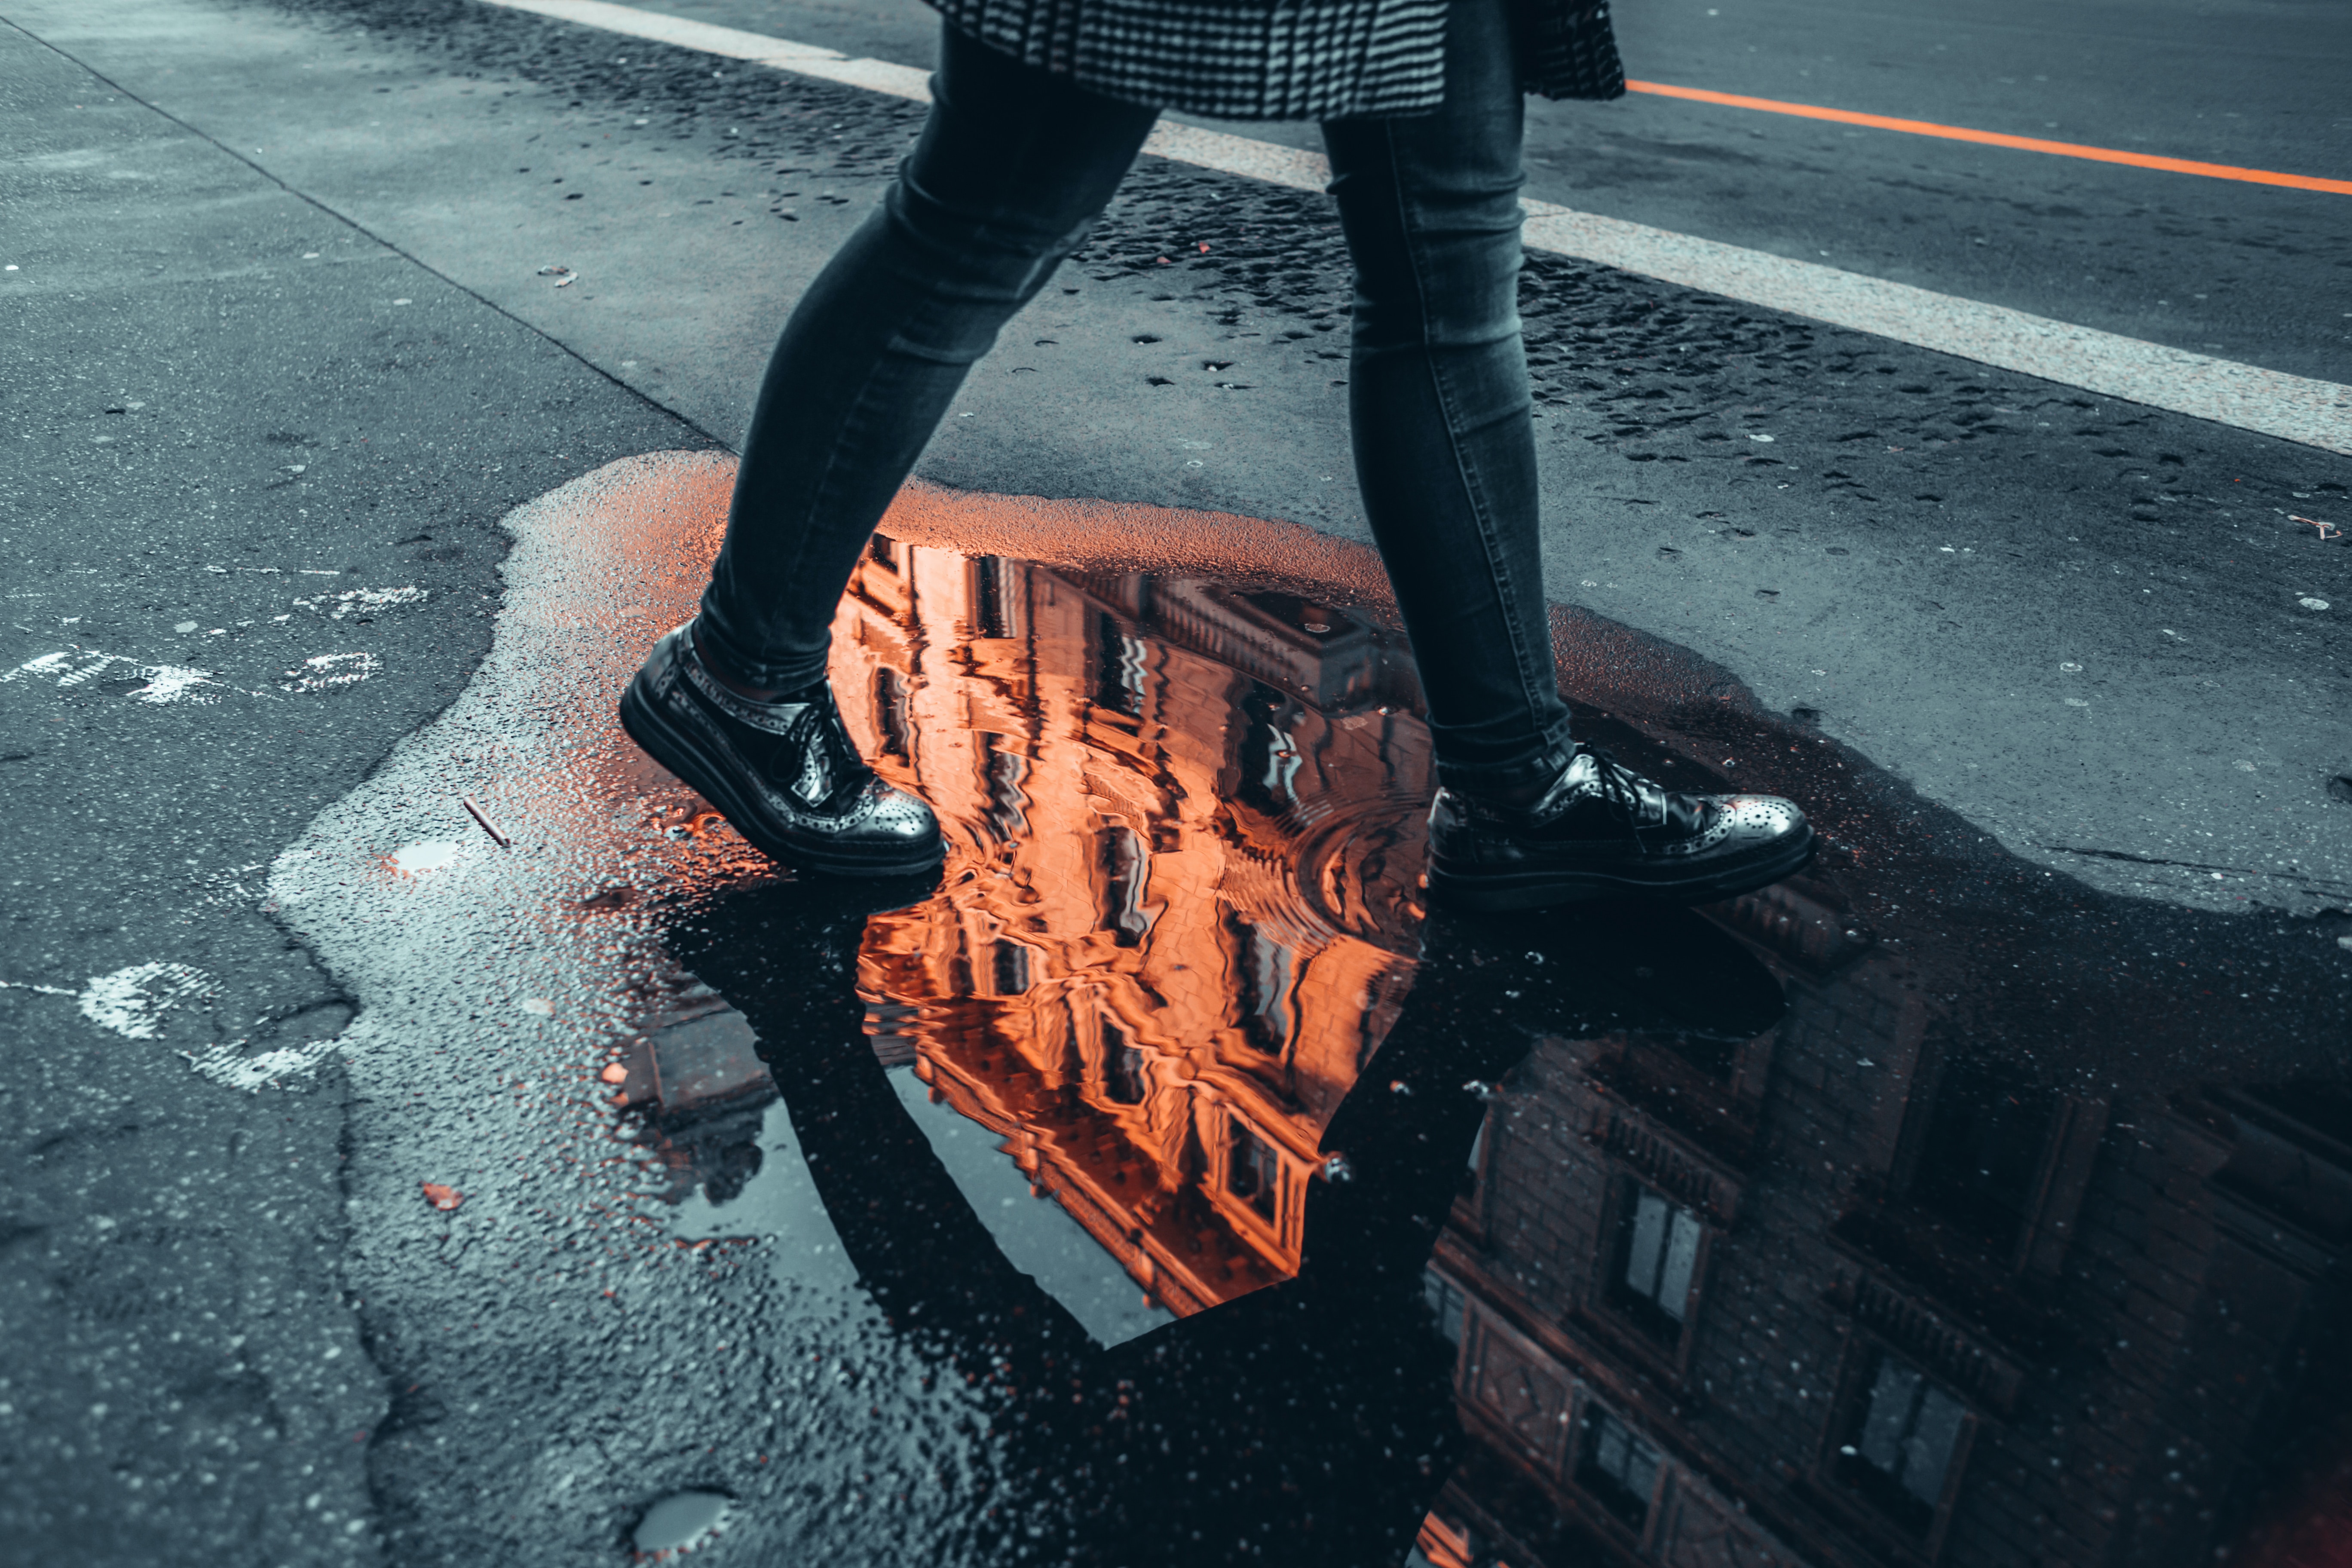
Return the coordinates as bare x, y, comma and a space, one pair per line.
784, 774
1603, 831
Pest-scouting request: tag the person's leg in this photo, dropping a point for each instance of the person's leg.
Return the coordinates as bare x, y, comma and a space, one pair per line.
1013, 167
1440, 408
1446, 456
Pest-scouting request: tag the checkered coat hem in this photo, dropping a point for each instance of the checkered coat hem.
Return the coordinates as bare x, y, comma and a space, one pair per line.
1241, 59
1285, 59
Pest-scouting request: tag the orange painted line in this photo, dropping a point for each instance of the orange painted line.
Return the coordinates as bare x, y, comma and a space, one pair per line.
1999, 139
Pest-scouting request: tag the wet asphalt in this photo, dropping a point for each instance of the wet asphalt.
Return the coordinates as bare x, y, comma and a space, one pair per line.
278, 376
234, 440
1920, 550
2246, 272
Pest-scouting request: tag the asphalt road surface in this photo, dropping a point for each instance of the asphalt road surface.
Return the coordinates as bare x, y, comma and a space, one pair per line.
2248, 273
543, 1180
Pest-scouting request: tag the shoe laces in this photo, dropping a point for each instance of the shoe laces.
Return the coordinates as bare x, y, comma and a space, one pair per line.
1620, 785
1679, 813
824, 740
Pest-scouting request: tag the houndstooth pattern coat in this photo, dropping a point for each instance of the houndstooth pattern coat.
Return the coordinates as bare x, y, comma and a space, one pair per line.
1284, 60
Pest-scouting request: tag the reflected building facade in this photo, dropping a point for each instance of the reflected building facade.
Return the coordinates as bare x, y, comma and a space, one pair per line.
1848, 1294
1178, 908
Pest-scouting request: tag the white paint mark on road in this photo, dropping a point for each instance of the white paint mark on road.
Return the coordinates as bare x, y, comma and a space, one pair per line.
337, 605
2247, 397
69, 667
162, 682
132, 1002
230, 1067
329, 671
702, 36
175, 683
2271, 403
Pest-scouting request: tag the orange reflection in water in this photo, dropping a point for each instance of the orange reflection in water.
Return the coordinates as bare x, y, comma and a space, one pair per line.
1180, 903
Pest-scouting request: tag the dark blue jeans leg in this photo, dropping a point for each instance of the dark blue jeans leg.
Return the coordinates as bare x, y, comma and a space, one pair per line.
1440, 410
1013, 167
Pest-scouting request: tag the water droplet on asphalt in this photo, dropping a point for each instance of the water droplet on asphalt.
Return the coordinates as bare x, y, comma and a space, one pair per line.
680, 1522
432, 854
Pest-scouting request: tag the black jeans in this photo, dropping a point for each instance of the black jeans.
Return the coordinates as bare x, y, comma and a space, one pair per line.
1013, 168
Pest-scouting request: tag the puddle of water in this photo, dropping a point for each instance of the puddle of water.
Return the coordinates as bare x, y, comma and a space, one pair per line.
1038, 1238
776, 1199
710, 1112
1184, 913
1855, 1220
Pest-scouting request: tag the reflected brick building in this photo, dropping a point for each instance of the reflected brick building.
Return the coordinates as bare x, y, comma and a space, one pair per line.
1849, 1295
1178, 909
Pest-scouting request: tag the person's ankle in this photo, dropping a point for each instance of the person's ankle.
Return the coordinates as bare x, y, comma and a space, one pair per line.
1515, 796
744, 689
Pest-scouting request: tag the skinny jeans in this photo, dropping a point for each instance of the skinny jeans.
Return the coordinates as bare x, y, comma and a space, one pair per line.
1012, 170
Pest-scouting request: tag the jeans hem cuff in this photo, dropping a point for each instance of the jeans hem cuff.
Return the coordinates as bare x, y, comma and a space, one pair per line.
718, 651
1506, 779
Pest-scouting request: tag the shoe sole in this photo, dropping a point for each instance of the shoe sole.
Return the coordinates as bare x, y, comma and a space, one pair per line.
1497, 894
677, 751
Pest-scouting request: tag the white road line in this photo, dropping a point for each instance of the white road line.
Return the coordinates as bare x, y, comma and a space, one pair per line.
2246, 398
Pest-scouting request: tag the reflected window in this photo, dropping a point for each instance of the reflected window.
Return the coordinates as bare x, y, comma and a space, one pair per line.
1446, 1304
1473, 1169
1616, 1467
1657, 1262
1119, 669
1253, 1171
1009, 967
882, 550
1269, 759
1900, 1442
1127, 874
988, 614
1001, 773
891, 711
1264, 990
1982, 1161
1123, 1076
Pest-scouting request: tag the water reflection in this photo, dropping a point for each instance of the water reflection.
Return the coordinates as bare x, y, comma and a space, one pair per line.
1921, 1209
1184, 905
